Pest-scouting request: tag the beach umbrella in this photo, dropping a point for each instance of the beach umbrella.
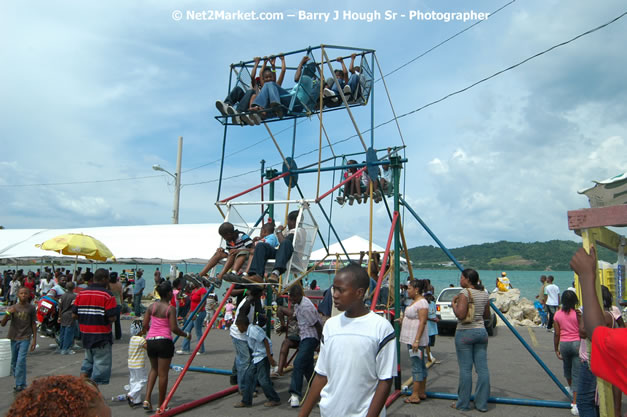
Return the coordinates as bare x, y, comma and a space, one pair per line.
78, 244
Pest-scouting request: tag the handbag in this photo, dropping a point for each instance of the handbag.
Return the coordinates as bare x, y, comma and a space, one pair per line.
470, 315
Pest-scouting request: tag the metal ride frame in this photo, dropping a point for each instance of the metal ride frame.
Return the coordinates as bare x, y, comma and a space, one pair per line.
290, 175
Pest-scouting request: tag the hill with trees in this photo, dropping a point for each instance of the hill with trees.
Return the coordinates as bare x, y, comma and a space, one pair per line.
538, 256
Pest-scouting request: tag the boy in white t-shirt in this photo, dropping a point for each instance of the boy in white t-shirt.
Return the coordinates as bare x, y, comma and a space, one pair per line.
353, 382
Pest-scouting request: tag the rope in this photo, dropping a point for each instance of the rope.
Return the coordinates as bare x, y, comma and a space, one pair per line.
387, 92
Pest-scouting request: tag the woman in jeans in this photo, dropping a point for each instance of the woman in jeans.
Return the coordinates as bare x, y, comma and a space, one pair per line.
566, 341
471, 342
414, 333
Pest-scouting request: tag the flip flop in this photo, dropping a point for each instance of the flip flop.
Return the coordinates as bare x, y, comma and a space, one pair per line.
147, 406
410, 401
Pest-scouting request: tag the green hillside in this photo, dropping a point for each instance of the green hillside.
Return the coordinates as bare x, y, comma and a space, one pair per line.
552, 255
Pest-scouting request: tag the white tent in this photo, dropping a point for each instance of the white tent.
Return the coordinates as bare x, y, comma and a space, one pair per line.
353, 245
154, 244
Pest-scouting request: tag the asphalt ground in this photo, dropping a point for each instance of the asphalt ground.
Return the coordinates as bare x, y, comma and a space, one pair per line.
513, 373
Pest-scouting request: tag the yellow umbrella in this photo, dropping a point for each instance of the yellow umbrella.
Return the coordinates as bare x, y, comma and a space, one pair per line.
78, 245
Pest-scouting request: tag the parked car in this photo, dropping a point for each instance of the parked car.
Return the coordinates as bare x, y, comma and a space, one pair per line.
444, 312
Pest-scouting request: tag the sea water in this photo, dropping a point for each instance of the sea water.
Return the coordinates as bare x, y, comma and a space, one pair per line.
527, 281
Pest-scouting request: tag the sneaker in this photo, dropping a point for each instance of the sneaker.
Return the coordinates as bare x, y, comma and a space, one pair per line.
573, 410
328, 92
222, 107
182, 352
365, 196
358, 198
294, 401
215, 281
246, 119
347, 90
377, 196
232, 278
255, 118
351, 200
340, 200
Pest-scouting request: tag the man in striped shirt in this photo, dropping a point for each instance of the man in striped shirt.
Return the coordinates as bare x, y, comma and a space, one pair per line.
310, 330
95, 309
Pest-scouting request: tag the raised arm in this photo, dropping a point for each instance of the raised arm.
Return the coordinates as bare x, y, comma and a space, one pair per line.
299, 70
344, 70
585, 266
283, 67
351, 67
253, 75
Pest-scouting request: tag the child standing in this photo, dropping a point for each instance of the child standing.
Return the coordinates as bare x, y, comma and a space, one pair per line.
351, 381
66, 319
23, 326
432, 325
228, 312
136, 364
211, 307
14, 285
259, 369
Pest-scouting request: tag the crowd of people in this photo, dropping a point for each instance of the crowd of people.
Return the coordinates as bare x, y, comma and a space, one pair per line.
93, 300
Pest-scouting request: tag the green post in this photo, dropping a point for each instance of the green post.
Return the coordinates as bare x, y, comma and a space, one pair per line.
396, 170
270, 173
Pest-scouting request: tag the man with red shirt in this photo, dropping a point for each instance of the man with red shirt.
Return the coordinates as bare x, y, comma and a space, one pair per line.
197, 296
95, 308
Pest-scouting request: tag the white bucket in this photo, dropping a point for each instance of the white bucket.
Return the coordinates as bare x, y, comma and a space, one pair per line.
5, 357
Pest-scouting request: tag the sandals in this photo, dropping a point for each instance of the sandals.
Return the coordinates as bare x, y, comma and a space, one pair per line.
147, 406
408, 400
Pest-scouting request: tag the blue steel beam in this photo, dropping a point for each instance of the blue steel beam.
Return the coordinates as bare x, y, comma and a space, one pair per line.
496, 310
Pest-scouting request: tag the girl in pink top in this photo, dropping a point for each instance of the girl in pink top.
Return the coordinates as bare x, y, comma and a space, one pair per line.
228, 313
160, 320
566, 340
414, 333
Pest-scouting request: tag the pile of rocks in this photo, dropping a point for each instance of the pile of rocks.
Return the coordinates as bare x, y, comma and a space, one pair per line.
519, 311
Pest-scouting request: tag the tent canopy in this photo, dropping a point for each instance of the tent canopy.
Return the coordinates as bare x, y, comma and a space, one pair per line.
155, 244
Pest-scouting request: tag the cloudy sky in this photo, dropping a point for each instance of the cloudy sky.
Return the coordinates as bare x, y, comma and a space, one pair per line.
94, 95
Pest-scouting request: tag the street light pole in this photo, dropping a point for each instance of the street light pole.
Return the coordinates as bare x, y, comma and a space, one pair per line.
177, 187
177, 181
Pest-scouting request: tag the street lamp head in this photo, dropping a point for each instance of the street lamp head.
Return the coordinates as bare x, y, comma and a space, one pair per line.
157, 167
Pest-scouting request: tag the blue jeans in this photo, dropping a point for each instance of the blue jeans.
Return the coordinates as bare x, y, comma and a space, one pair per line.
418, 367
19, 349
259, 372
67, 337
197, 323
571, 361
97, 364
303, 364
272, 93
242, 361
472, 347
137, 304
586, 392
353, 82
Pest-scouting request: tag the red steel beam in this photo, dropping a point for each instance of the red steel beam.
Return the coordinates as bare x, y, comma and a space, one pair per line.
198, 346
254, 188
193, 404
359, 171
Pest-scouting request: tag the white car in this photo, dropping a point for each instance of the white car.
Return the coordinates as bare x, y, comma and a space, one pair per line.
445, 314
